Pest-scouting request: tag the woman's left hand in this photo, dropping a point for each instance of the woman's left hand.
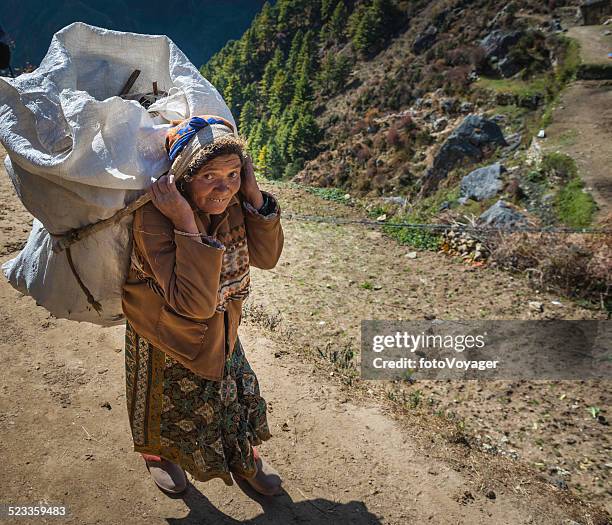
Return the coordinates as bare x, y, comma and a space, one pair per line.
248, 185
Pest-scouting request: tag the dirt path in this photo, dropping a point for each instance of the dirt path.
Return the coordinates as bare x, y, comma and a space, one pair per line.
594, 43
582, 121
66, 436
344, 463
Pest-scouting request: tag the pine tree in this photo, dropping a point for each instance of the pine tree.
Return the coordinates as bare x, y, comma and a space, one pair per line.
279, 93
335, 29
248, 117
274, 161
327, 7
268, 76
304, 135
264, 27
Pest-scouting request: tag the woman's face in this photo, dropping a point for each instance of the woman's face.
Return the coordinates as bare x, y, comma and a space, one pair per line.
215, 183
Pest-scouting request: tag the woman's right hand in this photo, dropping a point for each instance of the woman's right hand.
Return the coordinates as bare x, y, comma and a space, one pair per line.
168, 200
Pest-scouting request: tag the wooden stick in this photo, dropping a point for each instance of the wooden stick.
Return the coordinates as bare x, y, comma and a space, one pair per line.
155, 88
130, 82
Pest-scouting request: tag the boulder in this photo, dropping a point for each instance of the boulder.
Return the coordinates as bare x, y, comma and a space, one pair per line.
482, 183
508, 67
502, 215
497, 44
467, 142
440, 124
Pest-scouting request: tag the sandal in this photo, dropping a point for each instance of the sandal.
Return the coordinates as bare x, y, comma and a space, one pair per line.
168, 476
267, 481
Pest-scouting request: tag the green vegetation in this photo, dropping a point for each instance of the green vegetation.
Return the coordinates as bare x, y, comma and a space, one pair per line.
517, 87
574, 206
559, 165
423, 213
330, 194
273, 84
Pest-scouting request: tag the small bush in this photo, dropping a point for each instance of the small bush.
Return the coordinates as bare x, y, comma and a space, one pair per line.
576, 265
574, 206
559, 166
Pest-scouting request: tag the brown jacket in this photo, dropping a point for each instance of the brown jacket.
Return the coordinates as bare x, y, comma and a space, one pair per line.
172, 301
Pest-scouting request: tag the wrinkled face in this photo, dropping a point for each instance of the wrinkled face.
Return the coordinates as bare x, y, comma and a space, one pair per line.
216, 182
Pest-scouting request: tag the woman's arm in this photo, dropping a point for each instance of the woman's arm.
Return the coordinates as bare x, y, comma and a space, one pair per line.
265, 236
262, 221
185, 264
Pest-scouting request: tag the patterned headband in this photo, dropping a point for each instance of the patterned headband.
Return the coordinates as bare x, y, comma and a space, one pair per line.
179, 136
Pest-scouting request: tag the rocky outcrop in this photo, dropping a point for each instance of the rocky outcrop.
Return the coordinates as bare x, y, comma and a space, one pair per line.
482, 183
503, 216
497, 46
470, 141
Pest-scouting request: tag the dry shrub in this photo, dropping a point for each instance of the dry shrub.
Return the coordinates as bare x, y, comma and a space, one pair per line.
406, 122
362, 153
458, 77
358, 127
393, 138
370, 115
576, 265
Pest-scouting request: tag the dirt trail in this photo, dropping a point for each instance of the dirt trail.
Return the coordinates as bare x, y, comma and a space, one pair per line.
582, 120
594, 43
66, 437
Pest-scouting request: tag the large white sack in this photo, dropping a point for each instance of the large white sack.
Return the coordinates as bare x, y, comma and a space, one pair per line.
77, 153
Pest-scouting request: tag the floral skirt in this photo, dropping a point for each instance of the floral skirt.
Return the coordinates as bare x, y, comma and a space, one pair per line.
207, 427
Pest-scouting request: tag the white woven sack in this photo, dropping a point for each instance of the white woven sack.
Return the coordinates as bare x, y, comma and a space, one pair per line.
78, 153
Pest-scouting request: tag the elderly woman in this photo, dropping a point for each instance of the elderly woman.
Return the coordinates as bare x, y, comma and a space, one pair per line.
193, 399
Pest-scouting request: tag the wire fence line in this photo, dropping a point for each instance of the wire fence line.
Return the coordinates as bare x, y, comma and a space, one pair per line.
447, 226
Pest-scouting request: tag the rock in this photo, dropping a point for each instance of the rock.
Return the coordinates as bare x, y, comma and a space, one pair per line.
425, 40
559, 483
534, 154
490, 494
482, 183
411, 255
556, 26
466, 107
502, 215
507, 67
536, 305
542, 134
467, 141
421, 103
496, 46
382, 218
347, 196
401, 201
440, 124
448, 105
514, 141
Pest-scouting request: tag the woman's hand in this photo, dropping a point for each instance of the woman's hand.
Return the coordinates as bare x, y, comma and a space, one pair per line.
248, 185
167, 199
